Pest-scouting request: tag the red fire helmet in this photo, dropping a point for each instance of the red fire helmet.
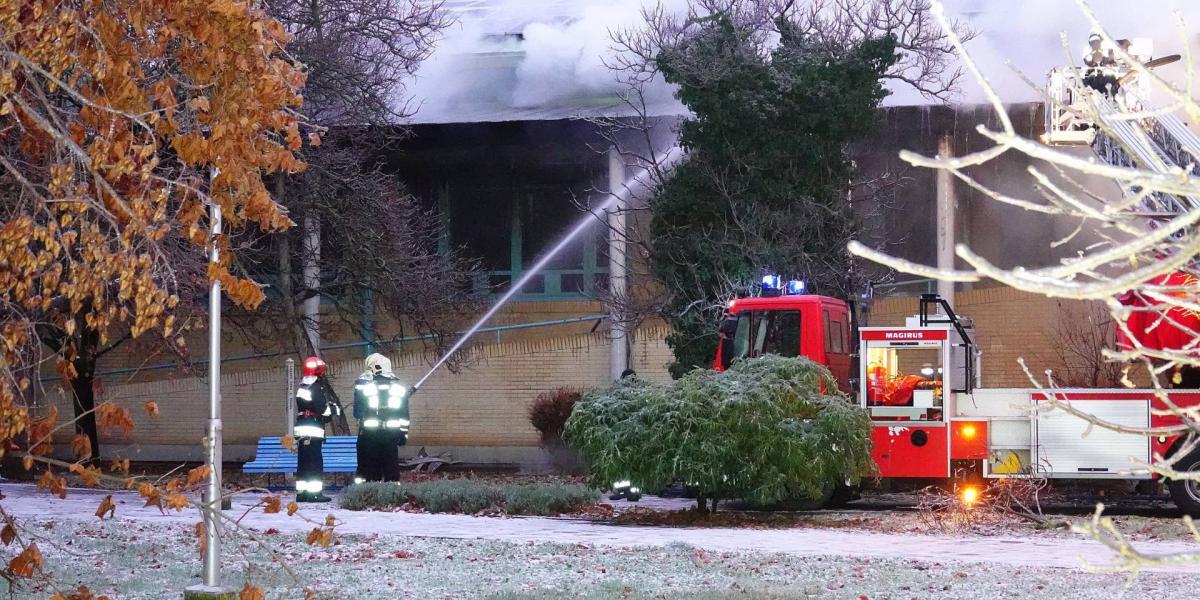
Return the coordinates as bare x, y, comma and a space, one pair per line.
314, 367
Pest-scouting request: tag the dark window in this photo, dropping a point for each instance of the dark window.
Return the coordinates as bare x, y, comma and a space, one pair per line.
767, 332
547, 216
783, 333
828, 332
481, 220
835, 332
741, 337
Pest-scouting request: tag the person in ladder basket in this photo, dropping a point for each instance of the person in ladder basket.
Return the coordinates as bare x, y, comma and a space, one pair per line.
313, 411
381, 407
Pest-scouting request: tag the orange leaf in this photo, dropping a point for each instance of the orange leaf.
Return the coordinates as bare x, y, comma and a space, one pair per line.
314, 139
107, 507
197, 475
152, 408
55, 485
330, 521
319, 536
82, 446
110, 416
250, 592
23, 564
27, 462
292, 508
201, 538
271, 504
89, 476
8, 534
152, 495
288, 442
119, 466
177, 501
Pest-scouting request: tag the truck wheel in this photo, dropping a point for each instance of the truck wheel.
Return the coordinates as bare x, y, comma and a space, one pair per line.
1186, 493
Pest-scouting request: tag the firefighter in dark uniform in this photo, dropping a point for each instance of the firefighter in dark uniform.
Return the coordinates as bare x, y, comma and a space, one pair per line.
1101, 74
313, 411
381, 407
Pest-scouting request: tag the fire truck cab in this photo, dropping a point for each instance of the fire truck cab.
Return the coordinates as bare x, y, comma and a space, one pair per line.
817, 327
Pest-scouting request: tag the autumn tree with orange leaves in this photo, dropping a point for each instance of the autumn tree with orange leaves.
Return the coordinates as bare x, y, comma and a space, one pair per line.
114, 114
121, 122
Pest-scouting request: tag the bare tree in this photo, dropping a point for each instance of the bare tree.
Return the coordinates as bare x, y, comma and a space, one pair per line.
1082, 335
367, 246
1148, 237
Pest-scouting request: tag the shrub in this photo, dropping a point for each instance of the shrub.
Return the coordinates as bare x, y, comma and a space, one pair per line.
524, 499
373, 495
470, 496
766, 430
550, 410
454, 496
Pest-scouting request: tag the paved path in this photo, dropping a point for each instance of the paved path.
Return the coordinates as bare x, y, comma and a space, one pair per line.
25, 501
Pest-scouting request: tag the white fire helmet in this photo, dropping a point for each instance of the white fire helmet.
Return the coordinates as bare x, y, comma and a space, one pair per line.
378, 364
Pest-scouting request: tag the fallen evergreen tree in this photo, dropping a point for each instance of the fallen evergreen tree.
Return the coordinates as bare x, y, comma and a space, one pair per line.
767, 430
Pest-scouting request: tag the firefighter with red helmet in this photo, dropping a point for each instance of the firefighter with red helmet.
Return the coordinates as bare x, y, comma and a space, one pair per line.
381, 407
313, 411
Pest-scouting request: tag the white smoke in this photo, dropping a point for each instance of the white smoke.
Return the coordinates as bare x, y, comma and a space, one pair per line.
523, 57
517, 59
1027, 34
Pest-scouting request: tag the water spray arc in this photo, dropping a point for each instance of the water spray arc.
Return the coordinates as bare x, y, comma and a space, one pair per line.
669, 158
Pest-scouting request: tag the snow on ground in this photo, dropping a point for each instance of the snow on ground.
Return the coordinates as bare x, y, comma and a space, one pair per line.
27, 501
143, 554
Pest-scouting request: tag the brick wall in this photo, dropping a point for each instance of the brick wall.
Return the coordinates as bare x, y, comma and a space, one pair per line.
483, 405
1009, 324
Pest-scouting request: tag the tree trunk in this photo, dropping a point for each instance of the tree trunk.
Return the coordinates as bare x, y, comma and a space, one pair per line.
701, 503
83, 390
286, 292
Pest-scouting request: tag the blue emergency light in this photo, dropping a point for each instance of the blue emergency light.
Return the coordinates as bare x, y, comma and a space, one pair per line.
773, 285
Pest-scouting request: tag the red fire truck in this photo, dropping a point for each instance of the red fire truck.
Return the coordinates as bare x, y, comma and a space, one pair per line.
930, 416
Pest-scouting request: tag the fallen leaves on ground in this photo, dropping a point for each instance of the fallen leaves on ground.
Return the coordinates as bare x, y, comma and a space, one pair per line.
271, 504
151, 408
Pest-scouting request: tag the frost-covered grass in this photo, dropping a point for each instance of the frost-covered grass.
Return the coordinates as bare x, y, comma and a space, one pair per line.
133, 560
470, 496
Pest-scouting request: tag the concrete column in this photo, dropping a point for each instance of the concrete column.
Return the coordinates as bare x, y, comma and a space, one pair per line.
946, 205
312, 280
617, 240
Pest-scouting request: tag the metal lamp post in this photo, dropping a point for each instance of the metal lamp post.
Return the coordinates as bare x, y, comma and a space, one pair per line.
211, 588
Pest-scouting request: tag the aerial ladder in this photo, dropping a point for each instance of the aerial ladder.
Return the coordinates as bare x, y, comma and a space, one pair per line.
1106, 105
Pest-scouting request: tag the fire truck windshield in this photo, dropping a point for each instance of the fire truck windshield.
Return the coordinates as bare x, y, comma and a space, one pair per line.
760, 332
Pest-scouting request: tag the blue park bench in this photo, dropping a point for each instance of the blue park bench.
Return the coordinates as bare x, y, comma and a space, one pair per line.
340, 453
